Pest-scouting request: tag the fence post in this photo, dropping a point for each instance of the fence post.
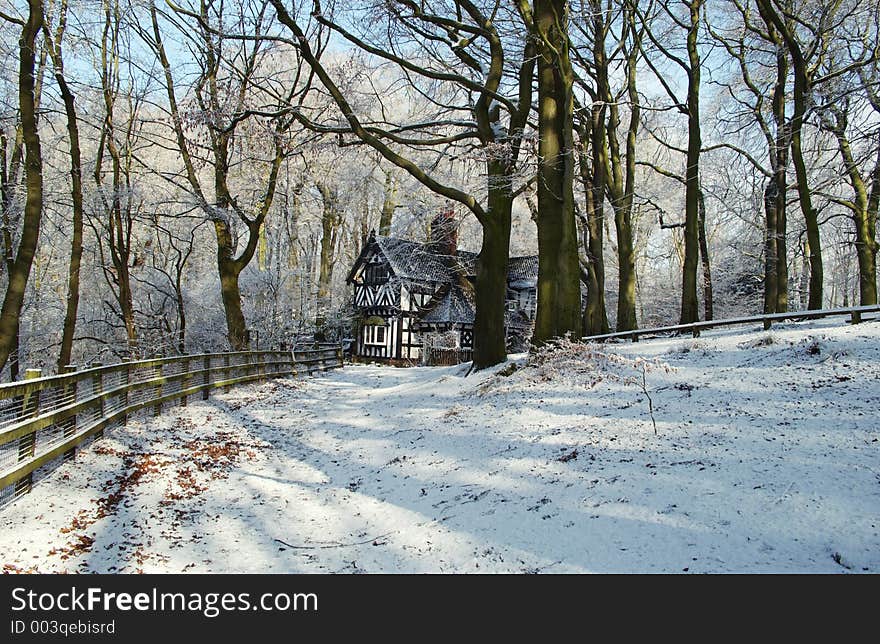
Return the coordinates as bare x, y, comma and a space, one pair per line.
97, 390
70, 388
226, 371
157, 410
206, 365
855, 317
30, 406
186, 383
126, 378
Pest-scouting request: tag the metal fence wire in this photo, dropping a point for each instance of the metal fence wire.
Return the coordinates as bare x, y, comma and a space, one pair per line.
44, 420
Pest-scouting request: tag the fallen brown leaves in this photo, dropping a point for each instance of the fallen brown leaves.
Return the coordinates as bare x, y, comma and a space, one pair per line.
12, 569
188, 465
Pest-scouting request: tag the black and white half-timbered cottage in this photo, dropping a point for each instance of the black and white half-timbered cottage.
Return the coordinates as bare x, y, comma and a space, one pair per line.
408, 295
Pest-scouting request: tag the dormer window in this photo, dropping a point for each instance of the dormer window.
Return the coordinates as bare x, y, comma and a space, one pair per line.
376, 273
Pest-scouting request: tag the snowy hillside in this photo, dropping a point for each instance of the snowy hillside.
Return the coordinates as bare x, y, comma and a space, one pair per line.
754, 452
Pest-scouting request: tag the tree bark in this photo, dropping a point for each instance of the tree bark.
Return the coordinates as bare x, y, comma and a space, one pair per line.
491, 283
559, 297
708, 296
330, 220
870, 248
592, 171
771, 275
689, 306
10, 314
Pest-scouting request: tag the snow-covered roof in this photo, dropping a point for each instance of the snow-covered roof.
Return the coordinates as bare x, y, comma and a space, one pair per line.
417, 261
453, 306
523, 269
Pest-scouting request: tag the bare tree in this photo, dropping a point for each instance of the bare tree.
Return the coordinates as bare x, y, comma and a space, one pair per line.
862, 206
20, 268
118, 203
54, 40
613, 170
331, 220
227, 82
690, 64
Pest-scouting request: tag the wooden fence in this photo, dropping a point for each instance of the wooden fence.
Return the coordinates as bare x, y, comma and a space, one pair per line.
855, 314
44, 419
439, 357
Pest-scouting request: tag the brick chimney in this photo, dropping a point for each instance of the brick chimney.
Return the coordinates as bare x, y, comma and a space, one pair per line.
444, 233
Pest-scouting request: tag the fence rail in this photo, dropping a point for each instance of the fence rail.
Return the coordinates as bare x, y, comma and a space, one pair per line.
855, 314
44, 419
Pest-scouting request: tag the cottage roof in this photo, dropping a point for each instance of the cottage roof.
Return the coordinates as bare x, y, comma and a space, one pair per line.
421, 262
523, 269
452, 305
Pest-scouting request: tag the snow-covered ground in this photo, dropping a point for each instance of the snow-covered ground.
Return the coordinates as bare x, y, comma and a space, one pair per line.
765, 459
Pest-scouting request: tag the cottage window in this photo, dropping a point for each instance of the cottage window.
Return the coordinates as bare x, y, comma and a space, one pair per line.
374, 334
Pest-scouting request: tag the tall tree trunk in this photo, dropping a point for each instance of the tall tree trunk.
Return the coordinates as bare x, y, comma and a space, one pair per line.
708, 297
865, 220
10, 314
689, 306
559, 297
291, 225
11, 170
627, 279
592, 173
781, 243
811, 218
181, 312
780, 158
800, 95
54, 43
771, 275
491, 283
862, 210
118, 202
871, 219
619, 173
330, 220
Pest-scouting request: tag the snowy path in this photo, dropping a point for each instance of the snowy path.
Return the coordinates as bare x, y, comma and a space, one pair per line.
766, 459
